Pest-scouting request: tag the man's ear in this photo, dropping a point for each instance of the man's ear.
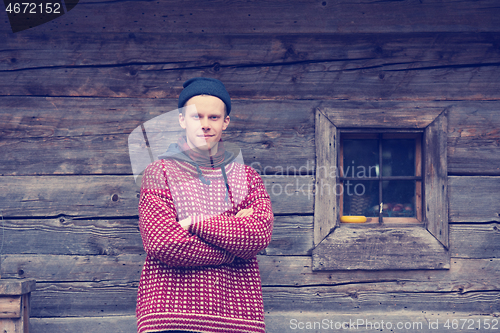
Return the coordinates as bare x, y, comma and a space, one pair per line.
226, 123
182, 120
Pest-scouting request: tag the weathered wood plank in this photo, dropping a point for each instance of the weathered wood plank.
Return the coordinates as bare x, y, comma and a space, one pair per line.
115, 324
74, 196
10, 307
292, 235
88, 136
72, 237
108, 298
133, 51
474, 199
473, 135
45, 117
369, 322
109, 154
299, 16
380, 248
280, 322
118, 196
120, 269
475, 240
350, 291
462, 276
14, 287
77, 136
325, 200
410, 115
436, 179
364, 67
350, 300
473, 139
290, 271
83, 299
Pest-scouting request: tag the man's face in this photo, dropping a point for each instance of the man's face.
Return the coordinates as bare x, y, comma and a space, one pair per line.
204, 122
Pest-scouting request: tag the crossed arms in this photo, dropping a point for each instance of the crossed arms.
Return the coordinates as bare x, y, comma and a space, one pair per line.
213, 240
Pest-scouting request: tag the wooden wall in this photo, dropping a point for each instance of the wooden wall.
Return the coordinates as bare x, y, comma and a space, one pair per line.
72, 90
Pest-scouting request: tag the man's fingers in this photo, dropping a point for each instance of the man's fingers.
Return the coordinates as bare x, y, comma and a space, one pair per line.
245, 212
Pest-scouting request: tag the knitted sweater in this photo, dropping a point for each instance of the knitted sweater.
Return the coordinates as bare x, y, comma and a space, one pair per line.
205, 279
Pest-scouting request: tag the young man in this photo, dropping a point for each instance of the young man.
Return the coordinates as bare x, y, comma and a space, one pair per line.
203, 219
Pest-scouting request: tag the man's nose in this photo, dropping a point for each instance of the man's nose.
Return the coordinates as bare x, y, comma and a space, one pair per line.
205, 123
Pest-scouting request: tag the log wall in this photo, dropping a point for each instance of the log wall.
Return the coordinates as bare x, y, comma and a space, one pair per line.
73, 89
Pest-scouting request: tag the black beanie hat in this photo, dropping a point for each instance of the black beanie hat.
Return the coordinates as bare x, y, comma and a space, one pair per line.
204, 86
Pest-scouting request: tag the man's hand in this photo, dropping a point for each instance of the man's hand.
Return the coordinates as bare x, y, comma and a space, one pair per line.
186, 222
245, 212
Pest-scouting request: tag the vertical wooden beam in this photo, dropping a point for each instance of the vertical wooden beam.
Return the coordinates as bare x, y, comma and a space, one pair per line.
15, 305
325, 199
436, 178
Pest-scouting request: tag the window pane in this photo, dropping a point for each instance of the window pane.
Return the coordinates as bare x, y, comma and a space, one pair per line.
361, 198
398, 197
398, 157
361, 158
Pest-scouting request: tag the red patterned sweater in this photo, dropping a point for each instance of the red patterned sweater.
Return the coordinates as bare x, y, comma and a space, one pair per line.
205, 279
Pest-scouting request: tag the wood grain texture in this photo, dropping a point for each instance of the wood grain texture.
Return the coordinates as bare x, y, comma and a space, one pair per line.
57, 268
474, 199
84, 299
358, 302
89, 136
473, 139
436, 179
72, 90
281, 321
298, 16
10, 307
381, 248
283, 271
118, 196
292, 235
475, 240
137, 52
102, 324
82, 136
281, 275
416, 67
15, 287
325, 199
72, 236
383, 115
63, 299
92, 196
297, 271
369, 322
109, 154
53, 117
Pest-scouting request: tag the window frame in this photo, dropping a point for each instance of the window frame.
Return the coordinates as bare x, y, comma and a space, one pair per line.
418, 177
376, 247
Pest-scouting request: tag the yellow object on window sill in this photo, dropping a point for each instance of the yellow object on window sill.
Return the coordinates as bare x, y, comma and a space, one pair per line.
353, 219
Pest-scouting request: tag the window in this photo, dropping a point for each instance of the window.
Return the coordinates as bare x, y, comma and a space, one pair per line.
381, 176
399, 157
